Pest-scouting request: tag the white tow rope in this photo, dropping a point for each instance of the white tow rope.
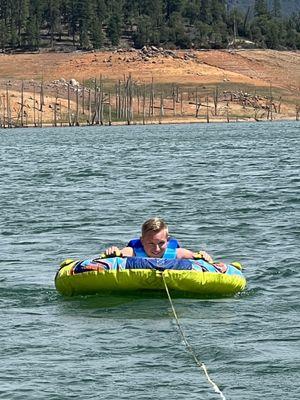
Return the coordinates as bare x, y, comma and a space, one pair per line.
189, 347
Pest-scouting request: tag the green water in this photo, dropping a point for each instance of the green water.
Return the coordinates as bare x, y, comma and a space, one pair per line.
231, 189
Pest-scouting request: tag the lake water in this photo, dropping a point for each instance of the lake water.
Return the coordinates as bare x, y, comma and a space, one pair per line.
231, 189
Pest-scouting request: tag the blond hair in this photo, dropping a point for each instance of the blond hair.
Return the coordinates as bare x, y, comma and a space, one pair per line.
154, 225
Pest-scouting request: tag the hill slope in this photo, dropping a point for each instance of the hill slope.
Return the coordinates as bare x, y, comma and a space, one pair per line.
247, 77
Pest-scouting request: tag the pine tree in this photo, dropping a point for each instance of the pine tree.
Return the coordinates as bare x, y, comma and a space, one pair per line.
52, 16
203, 33
172, 6
114, 29
114, 23
260, 8
3, 35
71, 17
98, 14
84, 13
20, 13
142, 36
33, 25
96, 33
191, 11
276, 9
205, 12
177, 34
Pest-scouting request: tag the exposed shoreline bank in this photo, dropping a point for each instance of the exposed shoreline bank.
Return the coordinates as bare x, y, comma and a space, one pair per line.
163, 122
134, 87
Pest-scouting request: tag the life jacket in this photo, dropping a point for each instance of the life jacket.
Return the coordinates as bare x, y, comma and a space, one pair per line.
139, 251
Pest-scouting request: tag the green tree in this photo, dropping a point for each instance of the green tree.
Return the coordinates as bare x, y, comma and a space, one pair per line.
191, 11
203, 32
84, 17
256, 34
19, 14
114, 29
71, 17
276, 9
177, 34
235, 23
97, 16
272, 34
172, 6
218, 35
99, 9
292, 27
52, 17
115, 20
33, 25
206, 12
3, 35
260, 8
218, 10
96, 33
142, 36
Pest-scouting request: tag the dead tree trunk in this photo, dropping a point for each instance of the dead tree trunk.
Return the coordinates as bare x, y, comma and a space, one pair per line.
42, 103
279, 105
161, 110
101, 109
151, 102
77, 107
83, 97
207, 110
144, 104
8, 109
174, 101
227, 112
129, 101
55, 110
270, 109
1, 116
109, 110
138, 100
22, 104
34, 106
197, 103
69, 106
90, 107
181, 103
60, 114
216, 100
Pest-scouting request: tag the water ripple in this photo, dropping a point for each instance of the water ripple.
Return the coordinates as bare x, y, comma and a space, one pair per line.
232, 189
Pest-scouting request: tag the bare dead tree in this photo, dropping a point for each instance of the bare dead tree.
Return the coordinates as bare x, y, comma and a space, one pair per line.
22, 104
216, 100
83, 97
161, 111
8, 109
207, 110
174, 100
109, 109
144, 105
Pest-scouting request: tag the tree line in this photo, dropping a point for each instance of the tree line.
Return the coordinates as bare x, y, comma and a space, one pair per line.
95, 24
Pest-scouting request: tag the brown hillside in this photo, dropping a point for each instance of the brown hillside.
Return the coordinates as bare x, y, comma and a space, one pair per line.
251, 70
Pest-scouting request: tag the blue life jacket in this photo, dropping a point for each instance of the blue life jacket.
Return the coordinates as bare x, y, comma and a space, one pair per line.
139, 251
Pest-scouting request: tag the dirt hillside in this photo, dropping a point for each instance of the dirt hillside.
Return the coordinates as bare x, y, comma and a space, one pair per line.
249, 70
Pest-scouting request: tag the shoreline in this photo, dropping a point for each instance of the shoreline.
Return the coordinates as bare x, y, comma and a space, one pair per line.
163, 122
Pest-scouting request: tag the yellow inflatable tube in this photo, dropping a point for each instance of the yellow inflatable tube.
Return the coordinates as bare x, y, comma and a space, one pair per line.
75, 279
